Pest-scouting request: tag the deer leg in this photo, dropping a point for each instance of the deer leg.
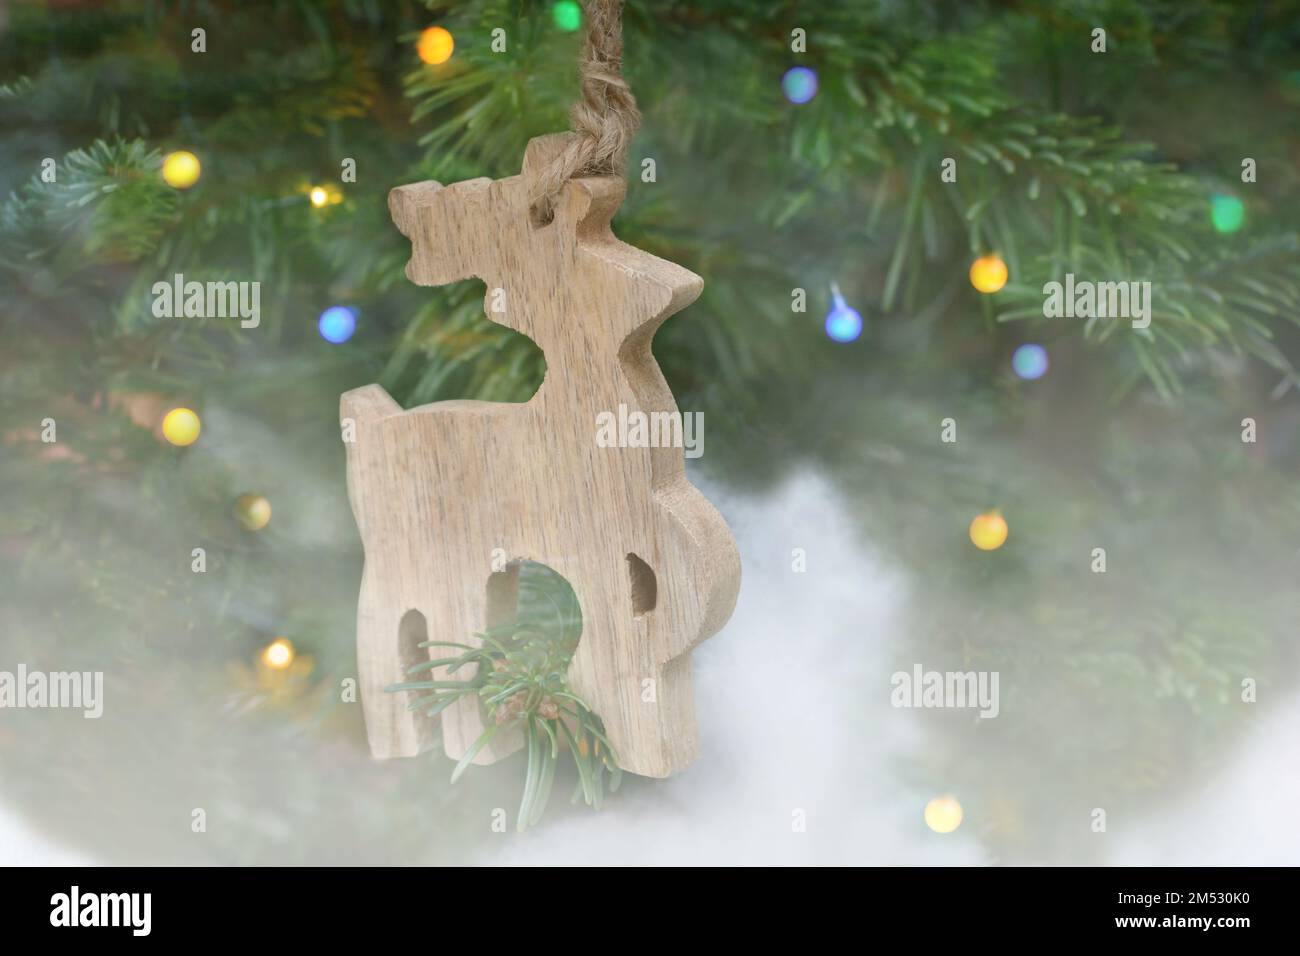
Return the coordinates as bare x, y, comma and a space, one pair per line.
387, 639
484, 604
645, 703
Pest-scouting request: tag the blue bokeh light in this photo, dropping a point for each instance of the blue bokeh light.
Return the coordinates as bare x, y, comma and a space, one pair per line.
799, 84
843, 323
337, 323
1030, 362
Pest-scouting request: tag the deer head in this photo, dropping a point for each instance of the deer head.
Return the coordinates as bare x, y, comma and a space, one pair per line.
544, 280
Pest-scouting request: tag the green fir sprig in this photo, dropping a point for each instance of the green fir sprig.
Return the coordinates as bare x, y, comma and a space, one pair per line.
517, 672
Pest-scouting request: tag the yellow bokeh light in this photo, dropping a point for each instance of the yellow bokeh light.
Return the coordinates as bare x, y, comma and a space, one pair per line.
181, 427
435, 45
988, 273
324, 195
943, 814
278, 654
988, 531
253, 511
181, 169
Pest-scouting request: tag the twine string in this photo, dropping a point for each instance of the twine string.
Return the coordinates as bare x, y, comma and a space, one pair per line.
605, 118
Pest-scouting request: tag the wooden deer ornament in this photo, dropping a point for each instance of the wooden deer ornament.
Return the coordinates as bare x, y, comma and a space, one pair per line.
436, 490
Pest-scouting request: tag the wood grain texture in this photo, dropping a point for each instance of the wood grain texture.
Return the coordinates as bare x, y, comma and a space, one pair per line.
437, 488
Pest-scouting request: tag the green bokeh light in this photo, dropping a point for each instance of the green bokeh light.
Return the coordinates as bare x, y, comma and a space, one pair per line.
567, 15
1227, 213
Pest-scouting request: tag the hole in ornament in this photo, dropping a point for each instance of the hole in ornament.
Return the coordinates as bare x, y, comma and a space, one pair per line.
478, 321
412, 631
502, 595
539, 219
530, 599
645, 589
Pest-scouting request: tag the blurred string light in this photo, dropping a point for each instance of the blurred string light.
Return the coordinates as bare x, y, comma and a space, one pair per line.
253, 511
943, 814
1227, 213
278, 654
799, 84
988, 273
1030, 361
181, 427
843, 323
181, 169
325, 195
337, 323
988, 531
435, 45
567, 15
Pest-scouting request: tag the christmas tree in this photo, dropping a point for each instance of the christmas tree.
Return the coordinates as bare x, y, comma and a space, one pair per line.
1034, 266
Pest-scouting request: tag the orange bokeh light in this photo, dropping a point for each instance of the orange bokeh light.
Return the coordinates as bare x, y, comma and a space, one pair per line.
435, 45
